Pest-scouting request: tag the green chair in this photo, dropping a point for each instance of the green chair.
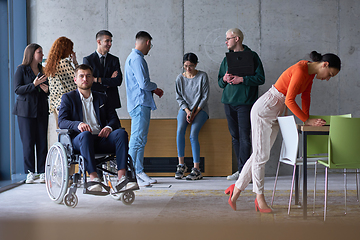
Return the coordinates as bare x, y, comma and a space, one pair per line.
317, 146
343, 149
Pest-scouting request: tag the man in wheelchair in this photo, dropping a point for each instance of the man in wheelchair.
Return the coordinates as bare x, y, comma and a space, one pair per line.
96, 128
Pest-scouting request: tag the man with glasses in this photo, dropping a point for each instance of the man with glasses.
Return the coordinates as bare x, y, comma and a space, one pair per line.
140, 102
239, 94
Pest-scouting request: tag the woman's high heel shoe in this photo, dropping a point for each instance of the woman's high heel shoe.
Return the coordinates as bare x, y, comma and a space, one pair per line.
230, 190
257, 208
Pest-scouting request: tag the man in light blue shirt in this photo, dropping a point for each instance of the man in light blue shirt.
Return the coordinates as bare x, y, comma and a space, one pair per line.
140, 102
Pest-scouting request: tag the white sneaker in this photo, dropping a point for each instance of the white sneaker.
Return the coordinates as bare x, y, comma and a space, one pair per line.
42, 177
234, 176
96, 187
146, 178
129, 186
141, 182
30, 178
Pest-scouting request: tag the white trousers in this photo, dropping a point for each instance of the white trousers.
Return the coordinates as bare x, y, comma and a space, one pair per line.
264, 129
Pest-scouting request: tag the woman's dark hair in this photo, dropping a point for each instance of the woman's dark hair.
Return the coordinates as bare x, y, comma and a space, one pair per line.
29, 53
191, 57
333, 60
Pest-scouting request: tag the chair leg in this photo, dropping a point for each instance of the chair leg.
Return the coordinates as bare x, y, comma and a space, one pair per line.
276, 177
292, 187
357, 184
315, 187
299, 184
345, 190
326, 192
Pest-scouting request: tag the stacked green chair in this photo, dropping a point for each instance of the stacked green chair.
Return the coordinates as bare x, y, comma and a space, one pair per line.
343, 149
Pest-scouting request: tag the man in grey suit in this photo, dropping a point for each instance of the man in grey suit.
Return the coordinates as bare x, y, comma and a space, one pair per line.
106, 67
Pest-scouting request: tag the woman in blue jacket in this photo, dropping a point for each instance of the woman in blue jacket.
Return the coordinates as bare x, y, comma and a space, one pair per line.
32, 110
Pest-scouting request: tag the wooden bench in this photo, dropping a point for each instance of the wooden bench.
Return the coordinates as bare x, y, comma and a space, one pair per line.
214, 138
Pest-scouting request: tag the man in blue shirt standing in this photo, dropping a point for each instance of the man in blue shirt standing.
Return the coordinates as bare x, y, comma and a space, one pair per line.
140, 102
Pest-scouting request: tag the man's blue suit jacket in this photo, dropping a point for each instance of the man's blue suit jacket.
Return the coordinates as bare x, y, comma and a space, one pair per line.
71, 113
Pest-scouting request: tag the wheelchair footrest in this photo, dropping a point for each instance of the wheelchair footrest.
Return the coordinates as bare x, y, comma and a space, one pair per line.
120, 188
88, 184
133, 188
121, 185
86, 191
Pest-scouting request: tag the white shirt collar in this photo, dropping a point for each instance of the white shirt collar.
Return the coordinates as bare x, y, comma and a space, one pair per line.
100, 54
89, 99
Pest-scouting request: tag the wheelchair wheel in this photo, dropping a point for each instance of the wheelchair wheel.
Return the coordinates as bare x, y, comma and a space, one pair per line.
56, 172
71, 200
127, 197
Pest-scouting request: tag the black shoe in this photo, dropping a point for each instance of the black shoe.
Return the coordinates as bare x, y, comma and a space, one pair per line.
181, 169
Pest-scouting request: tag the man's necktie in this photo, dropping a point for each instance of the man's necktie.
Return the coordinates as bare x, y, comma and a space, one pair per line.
102, 61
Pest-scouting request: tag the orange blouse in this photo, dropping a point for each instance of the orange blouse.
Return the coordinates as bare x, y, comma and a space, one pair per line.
293, 81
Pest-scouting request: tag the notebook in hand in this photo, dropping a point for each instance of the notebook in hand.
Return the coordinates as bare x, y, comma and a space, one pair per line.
240, 63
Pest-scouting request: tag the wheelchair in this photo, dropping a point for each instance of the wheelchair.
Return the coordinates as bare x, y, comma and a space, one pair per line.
61, 186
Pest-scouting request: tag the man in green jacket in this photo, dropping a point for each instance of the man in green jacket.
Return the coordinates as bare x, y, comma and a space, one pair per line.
239, 94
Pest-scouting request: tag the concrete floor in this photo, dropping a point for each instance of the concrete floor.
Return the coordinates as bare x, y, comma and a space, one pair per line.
178, 209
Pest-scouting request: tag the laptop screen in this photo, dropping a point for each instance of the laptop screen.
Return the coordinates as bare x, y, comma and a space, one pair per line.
240, 63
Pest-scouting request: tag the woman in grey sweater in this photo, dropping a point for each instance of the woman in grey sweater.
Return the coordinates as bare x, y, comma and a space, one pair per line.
192, 94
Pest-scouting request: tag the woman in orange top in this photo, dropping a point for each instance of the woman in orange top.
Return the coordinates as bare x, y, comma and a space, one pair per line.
297, 79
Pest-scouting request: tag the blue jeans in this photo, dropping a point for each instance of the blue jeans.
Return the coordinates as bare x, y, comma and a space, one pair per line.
238, 118
140, 121
196, 125
88, 144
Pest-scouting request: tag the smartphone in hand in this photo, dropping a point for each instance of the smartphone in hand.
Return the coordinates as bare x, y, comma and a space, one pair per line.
39, 74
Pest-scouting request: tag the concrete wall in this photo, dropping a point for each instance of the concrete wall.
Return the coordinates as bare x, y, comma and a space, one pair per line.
280, 31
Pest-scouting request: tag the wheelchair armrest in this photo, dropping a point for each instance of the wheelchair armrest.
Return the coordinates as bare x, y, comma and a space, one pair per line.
65, 140
64, 131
